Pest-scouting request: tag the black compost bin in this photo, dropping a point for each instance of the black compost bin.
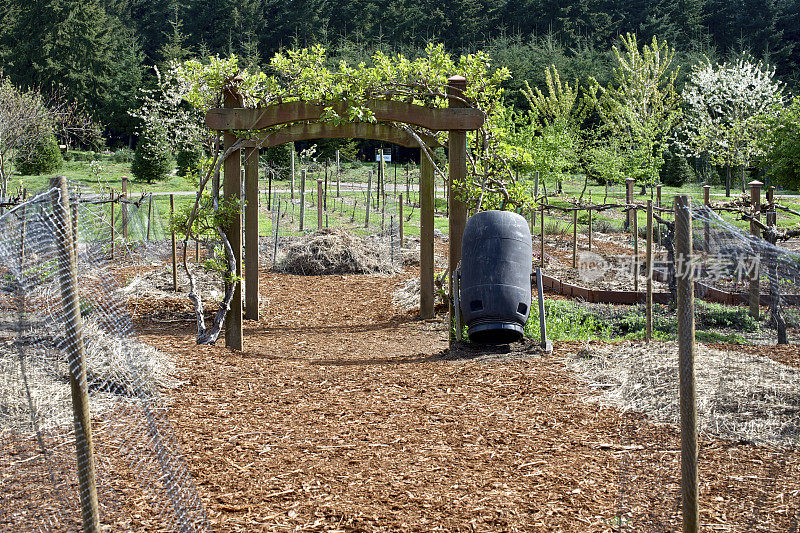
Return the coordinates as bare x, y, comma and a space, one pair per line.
496, 258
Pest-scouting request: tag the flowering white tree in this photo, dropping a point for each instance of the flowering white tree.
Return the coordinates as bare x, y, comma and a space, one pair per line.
728, 106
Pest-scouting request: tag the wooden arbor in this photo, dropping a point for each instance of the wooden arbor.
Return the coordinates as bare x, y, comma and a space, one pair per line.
457, 119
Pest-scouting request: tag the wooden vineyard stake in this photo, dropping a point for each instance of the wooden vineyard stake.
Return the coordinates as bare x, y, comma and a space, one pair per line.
291, 183
149, 215
649, 299
635, 220
124, 206
590, 221
686, 357
629, 182
325, 196
76, 357
658, 205
319, 203
113, 236
302, 198
575, 238
174, 248
755, 206
269, 190
338, 176
706, 228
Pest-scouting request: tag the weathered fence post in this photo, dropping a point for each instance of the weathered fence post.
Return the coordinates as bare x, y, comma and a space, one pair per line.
124, 207
755, 205
302, 198
629, 182
291, 184
426, 199
174, 247
635, 220
658, 205
320, 201
772, 218
706, 227
457, 156
76, 358
649, 266
325, 196
590, 221
369, 198
113, 230
149, 215
686, 353
338, 176
269, 188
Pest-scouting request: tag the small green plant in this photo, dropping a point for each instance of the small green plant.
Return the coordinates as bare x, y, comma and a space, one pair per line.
42, 157
566, 321
712, 315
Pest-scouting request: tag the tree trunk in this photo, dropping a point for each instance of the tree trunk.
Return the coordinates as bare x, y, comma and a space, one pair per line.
727, 181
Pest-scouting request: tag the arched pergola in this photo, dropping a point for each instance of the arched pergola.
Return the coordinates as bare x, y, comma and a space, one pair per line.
303, 123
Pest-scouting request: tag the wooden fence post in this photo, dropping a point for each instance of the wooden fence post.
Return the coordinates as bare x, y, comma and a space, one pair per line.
575, 237
369, 198
338, 176
629, 182
457, 209
635, 220
291, 184
590, 221
686, 353
302, 198
76, 357
124, 207
320, 201
149, 215
706, 227
325, 196
658, 205
649, 299
113, 230
755, 205
174, 247
772, 218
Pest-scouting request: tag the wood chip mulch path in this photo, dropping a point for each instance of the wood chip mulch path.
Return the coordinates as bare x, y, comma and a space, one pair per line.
344, 413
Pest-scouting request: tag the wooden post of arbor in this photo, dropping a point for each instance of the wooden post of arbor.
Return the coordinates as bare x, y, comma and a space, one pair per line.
251, 231
426, 301
686, 356
629, 182
76, 358
232, 194
457, 148
755, 205
124, 207
320, 201
649, 299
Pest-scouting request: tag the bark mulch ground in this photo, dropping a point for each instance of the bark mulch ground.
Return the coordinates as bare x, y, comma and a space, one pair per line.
344, 413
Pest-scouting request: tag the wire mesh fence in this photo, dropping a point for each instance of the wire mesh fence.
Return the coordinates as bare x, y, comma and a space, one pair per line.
68, 341
745, 389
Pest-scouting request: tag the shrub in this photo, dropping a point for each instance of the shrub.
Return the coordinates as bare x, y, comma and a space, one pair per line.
42, 157
188, 160
676, 170
123, 155
152, 159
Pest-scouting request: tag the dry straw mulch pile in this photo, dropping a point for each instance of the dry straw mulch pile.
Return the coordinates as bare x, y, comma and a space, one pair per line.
336, 251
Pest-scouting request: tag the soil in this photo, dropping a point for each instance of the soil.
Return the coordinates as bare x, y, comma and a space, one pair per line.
347, 413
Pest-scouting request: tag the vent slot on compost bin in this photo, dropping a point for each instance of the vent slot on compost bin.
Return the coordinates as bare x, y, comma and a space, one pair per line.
495, 277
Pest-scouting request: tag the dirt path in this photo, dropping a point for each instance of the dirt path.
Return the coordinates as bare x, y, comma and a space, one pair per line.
342, 414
